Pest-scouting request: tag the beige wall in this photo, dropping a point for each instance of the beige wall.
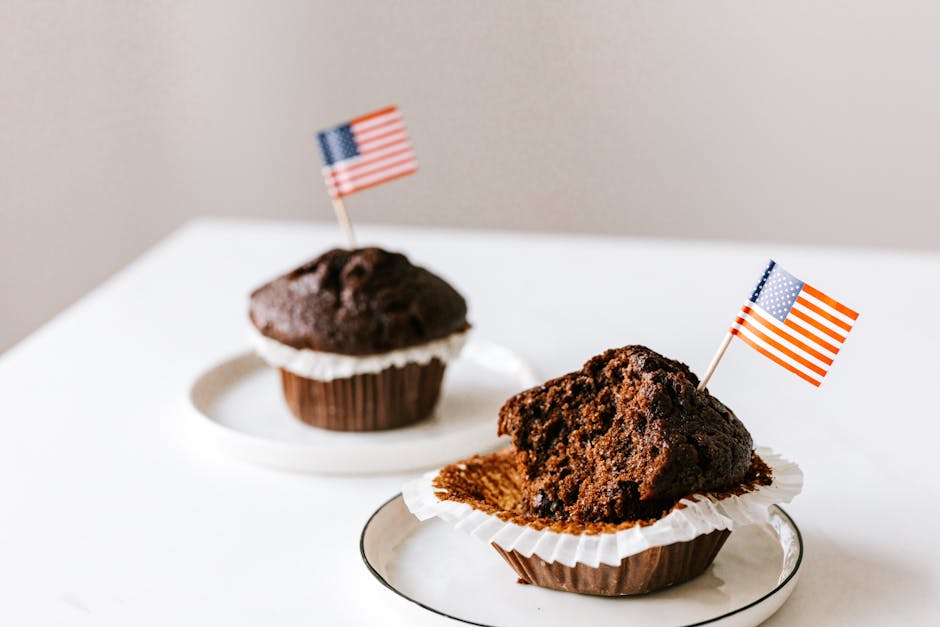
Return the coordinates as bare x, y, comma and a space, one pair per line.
807, 121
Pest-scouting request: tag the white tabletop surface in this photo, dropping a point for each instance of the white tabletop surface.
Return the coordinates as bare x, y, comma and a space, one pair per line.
114, 511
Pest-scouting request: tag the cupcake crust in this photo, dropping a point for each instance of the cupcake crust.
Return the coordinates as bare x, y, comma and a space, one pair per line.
358, 302
622, 439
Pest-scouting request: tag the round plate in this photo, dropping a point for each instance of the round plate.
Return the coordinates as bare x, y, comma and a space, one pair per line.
452, 574
239, 404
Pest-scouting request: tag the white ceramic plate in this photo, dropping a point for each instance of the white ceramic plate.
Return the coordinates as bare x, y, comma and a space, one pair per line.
452, 574
240, 406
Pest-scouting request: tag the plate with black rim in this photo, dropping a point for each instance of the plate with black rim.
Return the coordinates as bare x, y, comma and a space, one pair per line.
240, 408
437, 570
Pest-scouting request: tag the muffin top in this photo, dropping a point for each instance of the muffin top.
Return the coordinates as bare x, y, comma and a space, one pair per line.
358, 302
622, 439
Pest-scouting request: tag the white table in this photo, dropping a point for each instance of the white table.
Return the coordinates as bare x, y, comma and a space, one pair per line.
114, 512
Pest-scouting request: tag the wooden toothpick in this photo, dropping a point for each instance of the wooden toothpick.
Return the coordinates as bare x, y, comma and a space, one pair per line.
343, 217
718, 355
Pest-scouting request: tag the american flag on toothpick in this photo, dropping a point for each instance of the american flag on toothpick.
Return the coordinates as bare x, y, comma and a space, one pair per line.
366, 151
794, 324
791, 323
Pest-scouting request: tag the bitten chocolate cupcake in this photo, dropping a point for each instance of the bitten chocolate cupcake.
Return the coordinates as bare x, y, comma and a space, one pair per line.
623, 479
622, 439
361, 337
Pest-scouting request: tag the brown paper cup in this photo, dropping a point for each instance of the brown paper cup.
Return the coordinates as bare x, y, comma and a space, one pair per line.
653, 569
391, 398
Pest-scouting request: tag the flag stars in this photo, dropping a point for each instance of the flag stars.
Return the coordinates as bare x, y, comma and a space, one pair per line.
776, 292
337, 144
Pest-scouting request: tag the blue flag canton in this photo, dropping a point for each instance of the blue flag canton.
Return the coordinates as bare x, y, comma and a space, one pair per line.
776, 291
337, 144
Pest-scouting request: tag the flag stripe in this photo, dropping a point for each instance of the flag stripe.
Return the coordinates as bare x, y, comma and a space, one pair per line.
773, 357
375, 114
828, 316
368, 147
792, 339
767, 347
374, 157
347, 186
344, 178
354, 161
783, 330
815, 301
374, 183
817, 325
379, 131
811, 336
780, 347
823, 366
375, 123
812, 291
814, 316
360, 165
395, 137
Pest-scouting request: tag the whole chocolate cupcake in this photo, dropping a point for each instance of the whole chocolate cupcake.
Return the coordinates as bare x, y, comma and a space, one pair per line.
362, 338
623, 479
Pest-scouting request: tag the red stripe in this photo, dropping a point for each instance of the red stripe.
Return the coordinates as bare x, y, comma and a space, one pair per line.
373, 184
392, 144
379, 138
812, 336
374, 114
378, 172
769, 355
816, 325
812, 291
819, 311
789, 338
365, 175
365, 162
394, 122
780, 347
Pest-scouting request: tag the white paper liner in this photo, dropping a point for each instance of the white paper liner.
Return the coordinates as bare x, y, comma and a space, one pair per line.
324, 366
700, 516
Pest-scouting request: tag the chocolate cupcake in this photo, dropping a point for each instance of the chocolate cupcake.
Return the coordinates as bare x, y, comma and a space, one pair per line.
622, 439
361, 337
623, 479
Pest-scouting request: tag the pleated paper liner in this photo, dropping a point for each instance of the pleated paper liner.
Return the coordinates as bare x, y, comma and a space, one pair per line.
631, 560
653, 569
392, 398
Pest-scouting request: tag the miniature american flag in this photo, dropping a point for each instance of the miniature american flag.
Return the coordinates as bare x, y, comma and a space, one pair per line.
366, 151
794, 324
